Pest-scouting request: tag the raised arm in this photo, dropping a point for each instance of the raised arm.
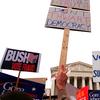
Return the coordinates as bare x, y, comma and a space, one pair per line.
61, 80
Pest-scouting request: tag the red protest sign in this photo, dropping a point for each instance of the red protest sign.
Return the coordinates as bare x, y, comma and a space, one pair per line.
82, 94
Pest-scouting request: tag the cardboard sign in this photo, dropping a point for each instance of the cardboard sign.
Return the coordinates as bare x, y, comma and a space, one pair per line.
21, 60
96, 66
68, 18
82, 94
8, 82
78, 4
94, 95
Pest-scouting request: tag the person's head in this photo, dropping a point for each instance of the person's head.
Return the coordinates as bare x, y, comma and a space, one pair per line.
15, 96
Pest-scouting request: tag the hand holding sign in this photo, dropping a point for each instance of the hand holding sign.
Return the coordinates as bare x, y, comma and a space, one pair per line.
61, 77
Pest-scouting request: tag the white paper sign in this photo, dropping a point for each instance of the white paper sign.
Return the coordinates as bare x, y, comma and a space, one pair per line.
68, 18
96, 66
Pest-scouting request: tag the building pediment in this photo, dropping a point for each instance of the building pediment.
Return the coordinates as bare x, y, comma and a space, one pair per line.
80, 66
75, 67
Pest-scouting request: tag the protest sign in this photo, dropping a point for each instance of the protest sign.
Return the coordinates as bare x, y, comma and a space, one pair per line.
96, 66
94, 94
78, 4
82, 94
20, 60
68, 18
8, 82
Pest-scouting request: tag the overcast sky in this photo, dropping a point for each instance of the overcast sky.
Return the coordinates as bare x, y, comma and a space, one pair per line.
22, 27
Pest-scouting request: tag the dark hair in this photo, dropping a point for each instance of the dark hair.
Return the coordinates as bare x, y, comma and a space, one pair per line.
15, 96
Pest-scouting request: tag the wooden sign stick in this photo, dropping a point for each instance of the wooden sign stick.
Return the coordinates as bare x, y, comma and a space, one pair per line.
63, 56
63, 59
18, 77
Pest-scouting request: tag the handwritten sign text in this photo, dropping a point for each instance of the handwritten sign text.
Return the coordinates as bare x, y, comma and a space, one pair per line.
79, 4
68, 18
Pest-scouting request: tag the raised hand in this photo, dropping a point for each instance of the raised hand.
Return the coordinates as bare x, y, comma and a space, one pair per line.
61, 77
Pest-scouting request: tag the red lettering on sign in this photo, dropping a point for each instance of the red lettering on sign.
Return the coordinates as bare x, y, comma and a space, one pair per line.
29, 67
25, 67
16, 66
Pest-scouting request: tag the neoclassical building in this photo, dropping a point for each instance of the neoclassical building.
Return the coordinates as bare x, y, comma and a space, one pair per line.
80, 76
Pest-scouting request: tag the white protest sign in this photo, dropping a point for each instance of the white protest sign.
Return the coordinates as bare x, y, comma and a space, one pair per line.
68, 18
78, 4
96, 66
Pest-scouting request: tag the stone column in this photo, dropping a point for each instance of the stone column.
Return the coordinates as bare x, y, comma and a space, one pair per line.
68, 80
83, 81
97, 86
53, 86
90, 83
75, 82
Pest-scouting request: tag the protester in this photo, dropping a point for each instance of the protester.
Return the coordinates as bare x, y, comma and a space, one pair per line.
61, 80
65, 91
61, 77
